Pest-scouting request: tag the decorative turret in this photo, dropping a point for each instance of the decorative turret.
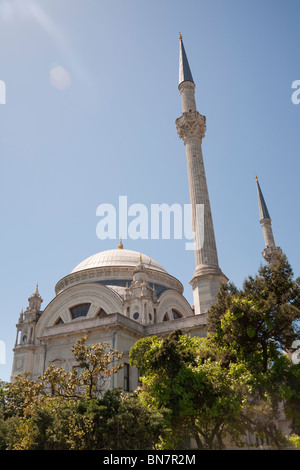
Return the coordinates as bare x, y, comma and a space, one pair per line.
35, 301
191, 127
140, 299
25, 338
28, 319
271, 251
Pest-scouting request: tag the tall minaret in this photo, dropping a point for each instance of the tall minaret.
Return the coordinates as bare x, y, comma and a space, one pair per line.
271, 251
191, 128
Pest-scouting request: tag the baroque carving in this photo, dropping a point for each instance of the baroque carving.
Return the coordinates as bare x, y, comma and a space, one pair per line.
271, 254
191, 126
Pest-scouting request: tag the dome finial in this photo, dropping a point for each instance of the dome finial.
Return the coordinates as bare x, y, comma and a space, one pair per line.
120, 246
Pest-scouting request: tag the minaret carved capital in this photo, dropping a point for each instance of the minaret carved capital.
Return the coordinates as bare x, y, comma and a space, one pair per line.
271, 254
191, 126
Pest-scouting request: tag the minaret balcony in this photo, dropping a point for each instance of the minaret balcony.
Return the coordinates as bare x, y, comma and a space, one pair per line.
191, 125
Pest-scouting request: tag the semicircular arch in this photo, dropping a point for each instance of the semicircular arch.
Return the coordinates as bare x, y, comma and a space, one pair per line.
98, 296
172, 300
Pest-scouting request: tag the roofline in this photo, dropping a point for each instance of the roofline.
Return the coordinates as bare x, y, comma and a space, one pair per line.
117, 320
92, 275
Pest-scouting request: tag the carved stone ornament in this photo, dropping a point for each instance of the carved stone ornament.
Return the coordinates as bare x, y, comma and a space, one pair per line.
19, 363
271, 253
191, 126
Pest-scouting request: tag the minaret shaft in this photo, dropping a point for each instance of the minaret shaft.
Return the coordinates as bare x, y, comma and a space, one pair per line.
204, 239
187, 92
268, 232
191, 128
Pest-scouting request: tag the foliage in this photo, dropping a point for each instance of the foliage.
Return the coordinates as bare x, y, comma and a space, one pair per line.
235, 380
261, 320
117, 421
294, 440
121, 422
201, 397
257, 325
68, 410
97, 364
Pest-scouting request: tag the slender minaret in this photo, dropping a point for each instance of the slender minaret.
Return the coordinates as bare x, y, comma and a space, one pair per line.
191, 128
271, 251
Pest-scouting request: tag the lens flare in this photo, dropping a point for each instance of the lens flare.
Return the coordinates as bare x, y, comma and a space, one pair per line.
60, 77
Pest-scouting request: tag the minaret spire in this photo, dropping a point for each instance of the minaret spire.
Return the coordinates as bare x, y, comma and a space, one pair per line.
191, 127
185, 74
271, 251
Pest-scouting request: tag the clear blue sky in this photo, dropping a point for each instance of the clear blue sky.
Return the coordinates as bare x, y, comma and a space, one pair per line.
110, 131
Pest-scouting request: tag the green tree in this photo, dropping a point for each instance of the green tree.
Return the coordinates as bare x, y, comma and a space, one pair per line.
203, 400
121, 422
68, 410
257, 325
97, 363
260, 321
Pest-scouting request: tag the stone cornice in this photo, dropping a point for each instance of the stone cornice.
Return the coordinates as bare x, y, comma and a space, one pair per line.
115, 273
118, 321
208, 271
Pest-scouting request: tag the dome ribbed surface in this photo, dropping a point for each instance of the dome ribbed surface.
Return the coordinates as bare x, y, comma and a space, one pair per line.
114, 258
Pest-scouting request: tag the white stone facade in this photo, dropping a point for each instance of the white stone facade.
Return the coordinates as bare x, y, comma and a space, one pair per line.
112, 297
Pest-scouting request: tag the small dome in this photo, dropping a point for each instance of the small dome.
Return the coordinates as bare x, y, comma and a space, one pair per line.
118, 257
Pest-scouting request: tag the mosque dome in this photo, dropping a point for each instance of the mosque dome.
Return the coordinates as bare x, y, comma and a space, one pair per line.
116, 268
118, 258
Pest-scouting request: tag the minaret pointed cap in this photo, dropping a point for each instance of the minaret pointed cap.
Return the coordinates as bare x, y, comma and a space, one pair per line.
262, 206
185, 74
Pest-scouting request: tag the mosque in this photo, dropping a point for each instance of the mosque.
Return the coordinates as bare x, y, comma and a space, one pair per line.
118, 296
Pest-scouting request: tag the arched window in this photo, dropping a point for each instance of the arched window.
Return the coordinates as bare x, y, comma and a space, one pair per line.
176, 314
79, 310
172, 315
101, 313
